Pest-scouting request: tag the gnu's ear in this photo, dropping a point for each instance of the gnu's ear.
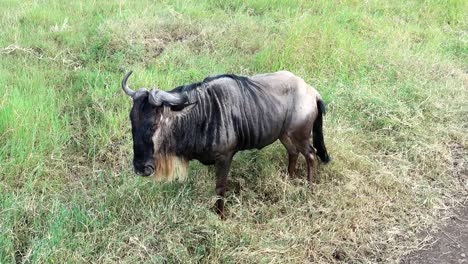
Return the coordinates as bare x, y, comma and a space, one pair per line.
178, 110
186, 107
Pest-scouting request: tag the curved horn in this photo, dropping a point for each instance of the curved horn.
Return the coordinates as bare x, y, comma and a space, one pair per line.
158, 98
125, 87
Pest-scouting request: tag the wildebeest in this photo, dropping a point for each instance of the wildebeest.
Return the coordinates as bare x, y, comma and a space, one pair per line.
212, 120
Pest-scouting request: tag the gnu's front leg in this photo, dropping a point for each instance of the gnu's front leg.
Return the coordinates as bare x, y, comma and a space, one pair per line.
223, 163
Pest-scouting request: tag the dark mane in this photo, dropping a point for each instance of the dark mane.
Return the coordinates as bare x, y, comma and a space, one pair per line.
242, 81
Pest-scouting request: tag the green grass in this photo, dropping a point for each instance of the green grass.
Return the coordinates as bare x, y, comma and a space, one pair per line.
394, 74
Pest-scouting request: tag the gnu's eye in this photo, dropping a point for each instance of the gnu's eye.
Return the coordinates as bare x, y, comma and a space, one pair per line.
148, 138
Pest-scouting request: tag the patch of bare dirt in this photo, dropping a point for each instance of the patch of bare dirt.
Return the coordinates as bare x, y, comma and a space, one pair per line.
459, 164
450, 243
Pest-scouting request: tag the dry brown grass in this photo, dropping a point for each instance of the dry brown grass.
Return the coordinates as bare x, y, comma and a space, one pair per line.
394, 76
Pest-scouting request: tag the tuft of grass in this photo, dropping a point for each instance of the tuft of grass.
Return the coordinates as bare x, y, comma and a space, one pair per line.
394, 76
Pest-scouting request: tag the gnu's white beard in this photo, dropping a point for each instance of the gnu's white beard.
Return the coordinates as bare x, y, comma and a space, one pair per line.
170, 167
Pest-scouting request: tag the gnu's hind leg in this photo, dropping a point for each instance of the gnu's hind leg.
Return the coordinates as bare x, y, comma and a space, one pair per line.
310, 167
309, 154
293, 154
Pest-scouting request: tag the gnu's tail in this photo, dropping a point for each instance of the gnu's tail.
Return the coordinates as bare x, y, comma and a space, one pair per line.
317, 135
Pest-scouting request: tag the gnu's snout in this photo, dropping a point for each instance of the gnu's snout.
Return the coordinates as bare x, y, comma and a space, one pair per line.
148, 170
143, 169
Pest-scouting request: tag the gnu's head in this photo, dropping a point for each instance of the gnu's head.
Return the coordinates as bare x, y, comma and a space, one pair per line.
145, 117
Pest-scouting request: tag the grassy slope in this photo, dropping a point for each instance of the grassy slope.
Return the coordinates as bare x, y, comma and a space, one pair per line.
394, 74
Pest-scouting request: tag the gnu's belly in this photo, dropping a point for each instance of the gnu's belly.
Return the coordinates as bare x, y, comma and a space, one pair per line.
258, 131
